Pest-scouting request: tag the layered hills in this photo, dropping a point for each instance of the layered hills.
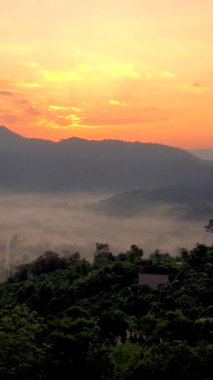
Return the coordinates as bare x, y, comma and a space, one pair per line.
80, 165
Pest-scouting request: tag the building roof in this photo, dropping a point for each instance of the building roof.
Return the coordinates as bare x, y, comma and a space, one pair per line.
152, 280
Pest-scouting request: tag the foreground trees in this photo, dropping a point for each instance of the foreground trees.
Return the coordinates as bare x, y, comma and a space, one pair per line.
69, 318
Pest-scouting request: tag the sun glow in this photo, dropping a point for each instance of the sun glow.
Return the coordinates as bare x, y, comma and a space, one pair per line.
129, 70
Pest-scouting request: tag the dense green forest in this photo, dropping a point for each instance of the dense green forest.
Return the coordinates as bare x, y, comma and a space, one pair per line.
68, 318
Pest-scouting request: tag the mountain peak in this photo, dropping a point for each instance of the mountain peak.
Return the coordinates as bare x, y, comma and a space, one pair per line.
4, 129
8, 134
73, 139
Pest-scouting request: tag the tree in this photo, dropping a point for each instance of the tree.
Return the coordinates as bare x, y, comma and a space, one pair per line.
102, 254
209, 226
22, 350
135, 253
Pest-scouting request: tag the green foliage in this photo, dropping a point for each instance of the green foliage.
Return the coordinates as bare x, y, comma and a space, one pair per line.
102, 255
135, 253
22, 348
126, 359
63, 317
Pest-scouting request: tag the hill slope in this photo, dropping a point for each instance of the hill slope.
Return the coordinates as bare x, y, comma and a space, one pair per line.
204, 154
178, 201
80, 165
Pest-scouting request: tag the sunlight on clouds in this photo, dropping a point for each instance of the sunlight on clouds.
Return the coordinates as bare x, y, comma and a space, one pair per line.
74, 118
64, 116
107, 67
64, 108
93, 72
194, 86
29, 85
58, 108
77, 109
115, 102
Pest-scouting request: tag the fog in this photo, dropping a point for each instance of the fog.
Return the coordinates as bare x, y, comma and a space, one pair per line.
31, 224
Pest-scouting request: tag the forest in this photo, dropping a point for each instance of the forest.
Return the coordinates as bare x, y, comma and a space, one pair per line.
64, 317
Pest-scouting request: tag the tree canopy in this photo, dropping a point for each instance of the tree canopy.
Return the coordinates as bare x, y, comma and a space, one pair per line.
63, 317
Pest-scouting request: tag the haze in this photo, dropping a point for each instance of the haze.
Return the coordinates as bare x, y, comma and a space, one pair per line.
32, 224
131, 70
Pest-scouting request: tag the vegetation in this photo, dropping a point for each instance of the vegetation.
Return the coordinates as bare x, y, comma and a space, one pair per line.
63, 318
209, 227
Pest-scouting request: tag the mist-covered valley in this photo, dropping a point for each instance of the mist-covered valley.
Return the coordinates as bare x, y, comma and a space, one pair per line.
67, 196
34, 223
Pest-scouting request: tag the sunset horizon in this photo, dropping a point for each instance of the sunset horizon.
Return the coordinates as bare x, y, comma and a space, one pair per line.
106, 178
82, 136
136, 71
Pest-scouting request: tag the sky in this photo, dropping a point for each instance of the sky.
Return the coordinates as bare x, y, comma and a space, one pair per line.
135, 70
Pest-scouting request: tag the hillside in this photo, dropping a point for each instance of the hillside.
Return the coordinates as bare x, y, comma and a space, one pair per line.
178, 201
204, 154
81, 165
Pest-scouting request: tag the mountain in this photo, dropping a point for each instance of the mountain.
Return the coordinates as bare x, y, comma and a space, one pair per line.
204, 154
80, 165
181, 202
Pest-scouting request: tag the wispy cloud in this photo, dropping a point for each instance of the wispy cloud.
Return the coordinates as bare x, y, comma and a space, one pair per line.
194, 86
116, 102
198, 85
111, 70
29, 85
6, 93
8, 119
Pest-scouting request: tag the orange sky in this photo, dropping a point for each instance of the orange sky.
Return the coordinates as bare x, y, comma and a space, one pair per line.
126, 69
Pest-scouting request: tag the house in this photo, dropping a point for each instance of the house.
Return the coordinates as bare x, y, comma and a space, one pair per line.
152, 280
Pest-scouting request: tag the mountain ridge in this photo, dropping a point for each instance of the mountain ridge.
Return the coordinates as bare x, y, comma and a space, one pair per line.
182, 202
204, 154
5, 131
82, 165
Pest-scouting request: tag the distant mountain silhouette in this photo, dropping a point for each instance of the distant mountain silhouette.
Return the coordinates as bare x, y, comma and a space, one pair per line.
81, 165
178, 201
204, 154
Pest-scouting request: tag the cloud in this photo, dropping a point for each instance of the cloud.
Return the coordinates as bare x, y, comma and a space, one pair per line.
116, 102
32, 111
58, 108
64, 116
53, 107
77, 109
9, 119
111, 70
194, 86
29, 84
6, 93
75, 119
198, 85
